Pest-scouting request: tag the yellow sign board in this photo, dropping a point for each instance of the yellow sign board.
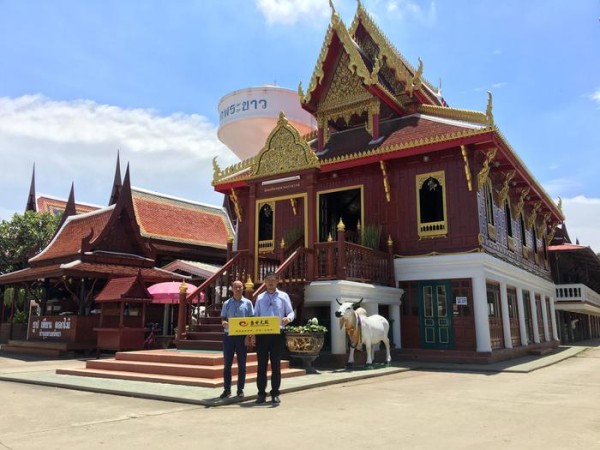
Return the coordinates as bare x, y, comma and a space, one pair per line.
254, 325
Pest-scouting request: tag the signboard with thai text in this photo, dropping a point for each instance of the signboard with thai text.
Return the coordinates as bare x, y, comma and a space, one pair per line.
253, 325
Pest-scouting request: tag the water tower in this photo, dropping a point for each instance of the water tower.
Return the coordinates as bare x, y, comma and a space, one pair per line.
247, 116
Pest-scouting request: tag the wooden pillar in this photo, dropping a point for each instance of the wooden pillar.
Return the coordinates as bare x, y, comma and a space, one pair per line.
229, 248
375, 126
320, 139
341, 251
310, 210
181, 313
252, 249
390, 248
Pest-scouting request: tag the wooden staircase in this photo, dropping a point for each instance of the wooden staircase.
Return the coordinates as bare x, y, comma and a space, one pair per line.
206, 335
203, 369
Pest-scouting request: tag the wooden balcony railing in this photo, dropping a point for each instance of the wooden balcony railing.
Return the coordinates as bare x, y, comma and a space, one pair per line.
291, 272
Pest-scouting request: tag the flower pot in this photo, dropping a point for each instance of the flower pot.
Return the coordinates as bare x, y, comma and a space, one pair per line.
306, 347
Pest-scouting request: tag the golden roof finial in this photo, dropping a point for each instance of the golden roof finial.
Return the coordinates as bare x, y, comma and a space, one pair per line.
301, 92
216, 168
488, 110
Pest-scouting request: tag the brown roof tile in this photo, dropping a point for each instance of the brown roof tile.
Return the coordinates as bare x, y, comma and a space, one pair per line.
172, 219
67, 241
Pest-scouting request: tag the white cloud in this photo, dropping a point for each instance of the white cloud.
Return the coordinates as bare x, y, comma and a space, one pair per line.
77, 141
582, 215
408, 10
595, 96
289, 12
499, 85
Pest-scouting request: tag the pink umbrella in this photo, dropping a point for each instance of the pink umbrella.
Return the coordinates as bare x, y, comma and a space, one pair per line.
167, 293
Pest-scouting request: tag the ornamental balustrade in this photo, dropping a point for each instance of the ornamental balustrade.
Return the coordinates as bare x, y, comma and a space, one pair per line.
334, 260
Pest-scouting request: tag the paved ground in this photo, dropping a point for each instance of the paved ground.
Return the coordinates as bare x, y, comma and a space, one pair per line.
543, 402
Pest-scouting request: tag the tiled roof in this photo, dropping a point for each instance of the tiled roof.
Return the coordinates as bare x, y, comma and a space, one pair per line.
91, 270
171, 219
412, 129
57, 206
124, 288
67, 241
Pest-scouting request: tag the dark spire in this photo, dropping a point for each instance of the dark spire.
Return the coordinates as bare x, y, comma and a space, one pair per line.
117, 184
31, 203
70, 209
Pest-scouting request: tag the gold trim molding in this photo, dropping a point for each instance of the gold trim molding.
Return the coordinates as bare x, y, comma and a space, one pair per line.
285, 151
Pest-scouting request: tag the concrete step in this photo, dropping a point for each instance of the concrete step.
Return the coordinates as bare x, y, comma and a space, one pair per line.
169, 379
205, 335
171, 366
177, 357
154, 368
200, 345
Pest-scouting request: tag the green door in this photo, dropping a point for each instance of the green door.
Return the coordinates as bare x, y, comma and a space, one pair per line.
435, 314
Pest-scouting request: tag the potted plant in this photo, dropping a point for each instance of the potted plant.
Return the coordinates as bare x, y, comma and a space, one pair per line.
305, 342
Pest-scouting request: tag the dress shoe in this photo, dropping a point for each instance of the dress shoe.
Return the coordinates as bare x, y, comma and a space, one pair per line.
225, 394
276, 399
240, 393
260, 399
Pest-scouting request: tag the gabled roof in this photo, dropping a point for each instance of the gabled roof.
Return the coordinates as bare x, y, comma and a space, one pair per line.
363, 24
380, 67
67, 241
166, 218
78, 269
125, 289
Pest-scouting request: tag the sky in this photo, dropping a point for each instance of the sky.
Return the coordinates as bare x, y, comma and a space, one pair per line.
81, 80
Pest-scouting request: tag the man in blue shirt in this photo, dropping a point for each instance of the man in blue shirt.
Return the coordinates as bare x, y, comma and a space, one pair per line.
236, 306
272, 302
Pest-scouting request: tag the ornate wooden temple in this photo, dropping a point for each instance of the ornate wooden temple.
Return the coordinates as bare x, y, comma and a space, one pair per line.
423, 210
138, 233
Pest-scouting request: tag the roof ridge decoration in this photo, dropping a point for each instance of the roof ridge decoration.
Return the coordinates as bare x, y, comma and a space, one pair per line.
456, 114
284, 151
357, 65
411, 77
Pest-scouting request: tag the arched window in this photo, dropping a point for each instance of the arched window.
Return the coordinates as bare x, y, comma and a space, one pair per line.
508, 217
523, 232
266, 215
431, 204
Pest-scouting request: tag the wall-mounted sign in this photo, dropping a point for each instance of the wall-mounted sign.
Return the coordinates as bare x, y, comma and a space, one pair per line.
462, 301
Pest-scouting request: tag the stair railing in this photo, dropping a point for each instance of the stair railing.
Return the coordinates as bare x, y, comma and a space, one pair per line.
215, 290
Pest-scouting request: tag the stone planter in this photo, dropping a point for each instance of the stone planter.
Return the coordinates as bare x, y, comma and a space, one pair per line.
306, 347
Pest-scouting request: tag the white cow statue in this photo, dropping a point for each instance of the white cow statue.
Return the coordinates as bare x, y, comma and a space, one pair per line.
363, 329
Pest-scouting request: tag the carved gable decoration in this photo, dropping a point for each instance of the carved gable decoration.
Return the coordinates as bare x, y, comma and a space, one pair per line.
285, 151
345, 87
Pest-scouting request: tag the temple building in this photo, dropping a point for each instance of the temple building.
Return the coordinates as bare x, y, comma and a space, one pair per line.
423, 210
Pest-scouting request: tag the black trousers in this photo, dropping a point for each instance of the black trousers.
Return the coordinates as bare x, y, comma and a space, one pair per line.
269, 347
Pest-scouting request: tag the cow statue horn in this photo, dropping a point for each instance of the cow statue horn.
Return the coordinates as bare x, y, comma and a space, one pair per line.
356, 305
338, 302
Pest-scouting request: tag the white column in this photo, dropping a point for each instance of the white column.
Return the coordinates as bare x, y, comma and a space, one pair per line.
395, 316
534, 318
522, 324
480, 312
505, 316
338, 337
545, 320
371, 308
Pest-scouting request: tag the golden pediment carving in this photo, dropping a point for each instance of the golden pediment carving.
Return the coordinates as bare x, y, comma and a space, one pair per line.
284, 151
482, 176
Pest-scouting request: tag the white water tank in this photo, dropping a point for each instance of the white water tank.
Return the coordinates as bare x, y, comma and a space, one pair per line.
247, 117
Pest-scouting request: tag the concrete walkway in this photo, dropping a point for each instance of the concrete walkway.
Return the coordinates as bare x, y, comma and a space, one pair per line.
25, 369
